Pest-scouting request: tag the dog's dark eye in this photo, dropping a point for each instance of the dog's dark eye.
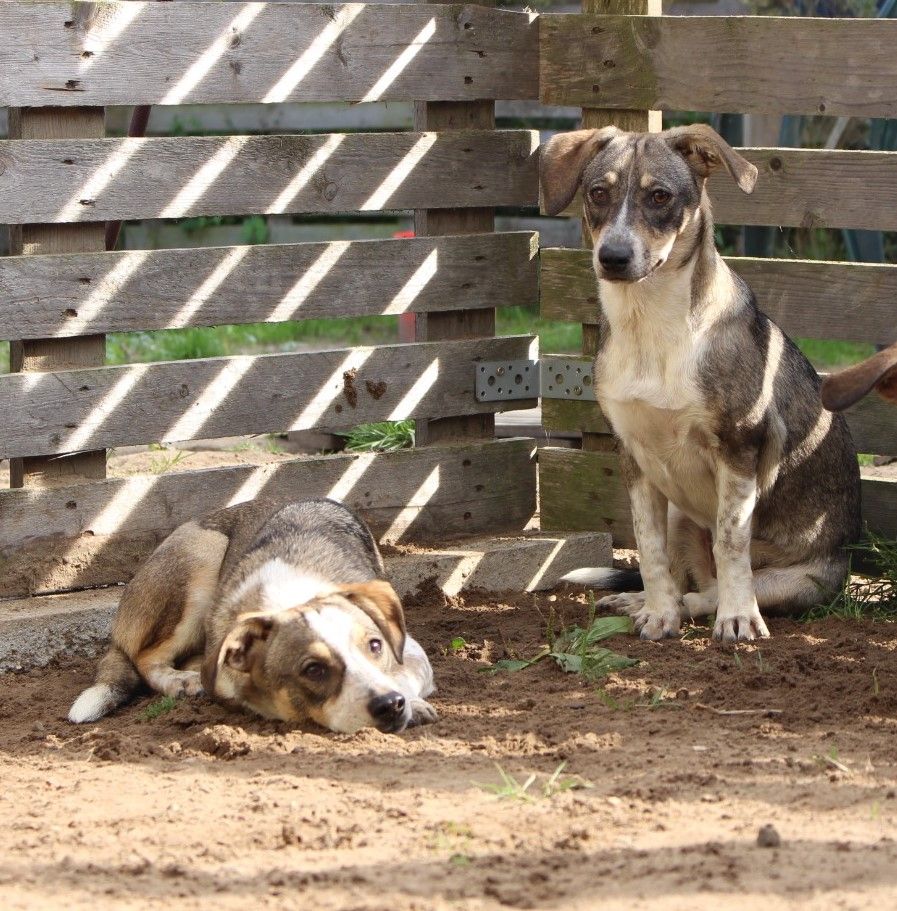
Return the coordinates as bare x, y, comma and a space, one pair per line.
598, 195
661, 197
376, 646
314, 671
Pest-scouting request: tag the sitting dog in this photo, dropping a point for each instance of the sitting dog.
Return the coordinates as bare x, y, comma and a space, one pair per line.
744, 490
284, 610
879, 372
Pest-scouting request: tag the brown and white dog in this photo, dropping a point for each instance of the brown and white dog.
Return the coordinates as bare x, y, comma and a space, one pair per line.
744, 490
879, 372
283, 611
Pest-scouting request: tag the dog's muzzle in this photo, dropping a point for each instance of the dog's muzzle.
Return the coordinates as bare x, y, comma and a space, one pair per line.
388, 712
615, 259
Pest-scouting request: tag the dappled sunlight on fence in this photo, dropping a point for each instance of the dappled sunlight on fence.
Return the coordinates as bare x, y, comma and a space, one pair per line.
418, 499
381, 196
401, 62
308, 170
308, 281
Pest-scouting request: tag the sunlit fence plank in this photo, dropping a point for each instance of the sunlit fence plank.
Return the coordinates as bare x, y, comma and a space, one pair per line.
848, 301
171, 177
72, 410
83, 535
749, 64
77, 53
61, 296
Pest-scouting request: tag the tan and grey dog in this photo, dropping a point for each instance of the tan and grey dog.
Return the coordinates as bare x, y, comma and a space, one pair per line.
284, 611
744, 490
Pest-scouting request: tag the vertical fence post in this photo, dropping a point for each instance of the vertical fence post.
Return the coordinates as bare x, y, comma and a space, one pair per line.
595, 118
430, 327
43, 355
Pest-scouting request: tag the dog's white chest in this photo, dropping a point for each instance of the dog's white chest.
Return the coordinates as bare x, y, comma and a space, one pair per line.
647, 385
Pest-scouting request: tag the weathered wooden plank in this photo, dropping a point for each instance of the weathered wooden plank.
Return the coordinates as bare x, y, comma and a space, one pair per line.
60, 296
747, 63
181, 400
880, 506
38, 353
808, 188
74, 181
872, 422
83, 535
140, 53
583, 491
849, 301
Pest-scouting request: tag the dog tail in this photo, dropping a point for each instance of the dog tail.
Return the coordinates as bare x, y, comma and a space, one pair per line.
116, 681
606, 578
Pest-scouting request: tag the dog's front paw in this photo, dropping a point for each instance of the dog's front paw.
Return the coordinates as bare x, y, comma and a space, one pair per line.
422, 712
741, 625
657, 621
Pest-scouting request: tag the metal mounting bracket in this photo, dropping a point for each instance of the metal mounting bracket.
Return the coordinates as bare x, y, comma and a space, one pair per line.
549, 377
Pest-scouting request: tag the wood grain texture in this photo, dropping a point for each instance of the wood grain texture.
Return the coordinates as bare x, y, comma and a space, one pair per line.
83, 535
37, 353
129, 53
880, 506
749, 64
76, 181
61, 296
873, 422
807, 188
847, 301
583, 491
73, 410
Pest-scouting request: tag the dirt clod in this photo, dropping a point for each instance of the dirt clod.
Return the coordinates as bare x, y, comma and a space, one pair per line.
768, 837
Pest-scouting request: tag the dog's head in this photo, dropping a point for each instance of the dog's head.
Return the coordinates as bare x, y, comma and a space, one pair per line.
841, 390
641, 191
331, 660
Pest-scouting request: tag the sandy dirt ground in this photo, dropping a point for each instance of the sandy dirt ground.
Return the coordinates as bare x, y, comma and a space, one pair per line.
202, 808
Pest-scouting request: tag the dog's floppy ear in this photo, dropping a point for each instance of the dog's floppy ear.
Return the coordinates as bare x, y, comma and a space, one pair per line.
704, 150
841, 390
562, 162
245, 642
378, 599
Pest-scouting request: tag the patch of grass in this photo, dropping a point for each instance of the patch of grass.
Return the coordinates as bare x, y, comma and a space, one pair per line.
383, 436
554, 337
575, 649
826, 353
457, 643
659, 698
167, 459
865, 597
160, 707
510, 788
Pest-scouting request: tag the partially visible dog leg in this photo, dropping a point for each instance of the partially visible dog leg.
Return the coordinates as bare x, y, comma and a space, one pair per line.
798, 587
656, 610
738, 616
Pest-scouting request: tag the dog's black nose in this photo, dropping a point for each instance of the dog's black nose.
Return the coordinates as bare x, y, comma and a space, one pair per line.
387, 707
615, 257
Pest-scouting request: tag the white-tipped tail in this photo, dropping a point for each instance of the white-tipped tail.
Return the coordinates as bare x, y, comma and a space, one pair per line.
95, 702
605, 577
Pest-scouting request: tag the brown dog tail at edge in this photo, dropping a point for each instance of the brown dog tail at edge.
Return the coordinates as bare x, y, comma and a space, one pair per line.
116, 681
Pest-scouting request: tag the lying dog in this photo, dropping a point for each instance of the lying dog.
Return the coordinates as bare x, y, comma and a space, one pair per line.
744, 490
879, 372
286, 612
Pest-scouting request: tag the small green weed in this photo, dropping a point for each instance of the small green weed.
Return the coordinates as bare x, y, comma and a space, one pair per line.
457, 644
383, 436
166, 460
160, 707
510, 788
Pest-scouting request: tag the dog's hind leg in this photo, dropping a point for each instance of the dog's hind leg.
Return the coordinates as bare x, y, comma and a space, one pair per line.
783, 590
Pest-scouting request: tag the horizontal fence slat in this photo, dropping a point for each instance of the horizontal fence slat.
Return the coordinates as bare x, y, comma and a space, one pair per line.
72, 410
807, 188
84, 535
847, 301
170, 177
873, 422
77, 53
880, 506
57, 296
748, 64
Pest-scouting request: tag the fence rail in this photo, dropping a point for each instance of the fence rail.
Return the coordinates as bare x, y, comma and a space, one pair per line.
75, 54
65, 295
748, 64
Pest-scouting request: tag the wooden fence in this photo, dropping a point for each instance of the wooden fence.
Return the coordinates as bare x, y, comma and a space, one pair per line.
743, 64
65, 525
